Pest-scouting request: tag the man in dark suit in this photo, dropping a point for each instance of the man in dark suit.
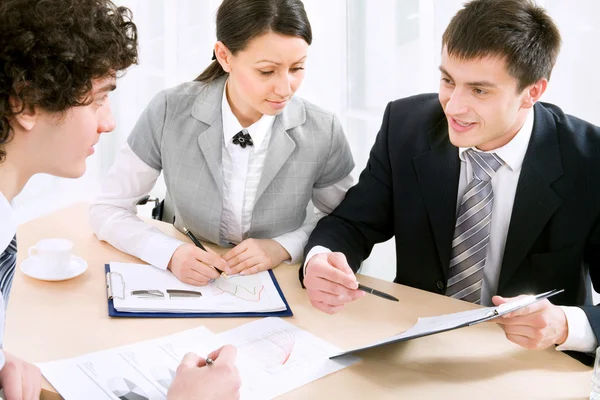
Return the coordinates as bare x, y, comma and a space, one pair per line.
488, 193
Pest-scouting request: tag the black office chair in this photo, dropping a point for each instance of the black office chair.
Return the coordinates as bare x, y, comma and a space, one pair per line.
157, 210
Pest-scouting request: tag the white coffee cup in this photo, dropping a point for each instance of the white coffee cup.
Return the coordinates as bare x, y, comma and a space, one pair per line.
53, 255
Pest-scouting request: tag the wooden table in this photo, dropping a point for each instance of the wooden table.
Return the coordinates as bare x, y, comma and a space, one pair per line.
54, 320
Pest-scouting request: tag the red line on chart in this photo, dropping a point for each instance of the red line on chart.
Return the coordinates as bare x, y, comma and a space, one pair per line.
234, 293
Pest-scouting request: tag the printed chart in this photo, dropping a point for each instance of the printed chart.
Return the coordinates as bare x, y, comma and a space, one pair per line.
124, 389
271, 351
248, 288
162, 375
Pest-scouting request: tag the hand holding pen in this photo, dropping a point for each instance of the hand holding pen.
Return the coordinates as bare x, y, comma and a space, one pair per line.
331, 283
199, 244
192, 265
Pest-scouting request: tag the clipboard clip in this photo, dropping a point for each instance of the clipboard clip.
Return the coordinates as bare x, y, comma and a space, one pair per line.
148, 293
525, 301
114, 290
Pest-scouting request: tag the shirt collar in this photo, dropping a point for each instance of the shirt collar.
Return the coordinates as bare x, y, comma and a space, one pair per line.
513, 152
231, 126
8, 227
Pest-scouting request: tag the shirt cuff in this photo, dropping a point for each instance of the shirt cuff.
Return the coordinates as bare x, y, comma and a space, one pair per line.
581, 336
313, 252
159, 250
292, 246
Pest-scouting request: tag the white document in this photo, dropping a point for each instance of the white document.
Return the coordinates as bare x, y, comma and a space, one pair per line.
282, 356
143, 288
274, 357
142, 371
432, 325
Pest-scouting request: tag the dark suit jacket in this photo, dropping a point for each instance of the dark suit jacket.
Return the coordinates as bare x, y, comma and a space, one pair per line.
409, 190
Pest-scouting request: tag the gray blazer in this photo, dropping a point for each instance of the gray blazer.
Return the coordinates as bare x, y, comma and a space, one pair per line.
181, 133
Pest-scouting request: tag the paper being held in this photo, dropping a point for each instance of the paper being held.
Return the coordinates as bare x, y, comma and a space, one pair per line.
442, 323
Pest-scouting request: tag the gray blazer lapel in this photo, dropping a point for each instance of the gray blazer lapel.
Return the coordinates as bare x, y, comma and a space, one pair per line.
282, 145
207, 109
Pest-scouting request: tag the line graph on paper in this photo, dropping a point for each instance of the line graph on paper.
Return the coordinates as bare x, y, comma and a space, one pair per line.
248, 288
270, 351
279, 350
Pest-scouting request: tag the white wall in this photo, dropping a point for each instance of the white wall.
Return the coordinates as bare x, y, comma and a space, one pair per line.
365, 53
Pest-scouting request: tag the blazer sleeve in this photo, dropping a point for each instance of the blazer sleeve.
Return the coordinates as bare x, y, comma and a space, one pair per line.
339, 163
365, 216
146, 137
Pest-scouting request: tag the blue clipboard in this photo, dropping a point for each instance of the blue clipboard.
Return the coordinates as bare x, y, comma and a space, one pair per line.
285, 313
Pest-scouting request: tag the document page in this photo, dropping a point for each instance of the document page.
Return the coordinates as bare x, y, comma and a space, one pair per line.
432, 325
274, 357
144, 288
142, 371
283, 356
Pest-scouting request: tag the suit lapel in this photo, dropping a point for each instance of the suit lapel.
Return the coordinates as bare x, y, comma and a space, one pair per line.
281, 144
535, 200
210, 145
437, 172
207, 109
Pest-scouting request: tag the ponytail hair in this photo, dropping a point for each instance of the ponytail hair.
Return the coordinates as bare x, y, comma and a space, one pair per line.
240, 21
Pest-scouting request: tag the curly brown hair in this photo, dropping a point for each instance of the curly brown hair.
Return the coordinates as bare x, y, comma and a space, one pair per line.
52, 50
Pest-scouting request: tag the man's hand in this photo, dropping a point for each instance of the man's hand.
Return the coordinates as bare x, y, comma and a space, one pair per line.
254, 255
20, 380
536, 326
330, 282
194, 380
193, 265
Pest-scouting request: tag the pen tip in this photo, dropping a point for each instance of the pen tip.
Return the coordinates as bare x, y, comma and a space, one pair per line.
185, 230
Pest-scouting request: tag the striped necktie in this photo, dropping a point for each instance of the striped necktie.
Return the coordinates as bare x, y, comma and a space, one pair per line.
472, 229
8, 261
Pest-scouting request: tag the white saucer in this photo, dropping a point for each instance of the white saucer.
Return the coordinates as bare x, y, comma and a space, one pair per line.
77, 266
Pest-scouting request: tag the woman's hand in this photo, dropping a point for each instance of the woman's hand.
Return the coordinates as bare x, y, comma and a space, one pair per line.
254, 255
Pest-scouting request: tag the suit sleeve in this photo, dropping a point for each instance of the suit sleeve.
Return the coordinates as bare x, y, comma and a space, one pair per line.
592, 258
365, 216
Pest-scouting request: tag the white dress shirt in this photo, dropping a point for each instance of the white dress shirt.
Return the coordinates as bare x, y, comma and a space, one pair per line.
242, 169
8, 229
113, 215
504, 185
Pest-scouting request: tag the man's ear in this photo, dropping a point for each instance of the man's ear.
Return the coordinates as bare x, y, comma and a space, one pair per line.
223, 56
27, 115
533, 93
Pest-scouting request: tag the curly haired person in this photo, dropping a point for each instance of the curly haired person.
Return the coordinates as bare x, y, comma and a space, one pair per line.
60, 60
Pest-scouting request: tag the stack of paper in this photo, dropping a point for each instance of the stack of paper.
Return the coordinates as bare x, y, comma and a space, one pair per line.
143, 288
274, 357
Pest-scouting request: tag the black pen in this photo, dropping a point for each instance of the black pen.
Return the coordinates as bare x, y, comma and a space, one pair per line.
200, 246
375, 292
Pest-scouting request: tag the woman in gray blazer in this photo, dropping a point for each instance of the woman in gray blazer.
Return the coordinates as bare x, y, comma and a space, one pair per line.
242, 157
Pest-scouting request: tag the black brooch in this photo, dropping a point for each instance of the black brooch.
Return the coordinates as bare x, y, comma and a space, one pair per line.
243, 139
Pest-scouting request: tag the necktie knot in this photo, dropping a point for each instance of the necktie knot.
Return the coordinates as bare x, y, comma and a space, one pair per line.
484, 165
243, 139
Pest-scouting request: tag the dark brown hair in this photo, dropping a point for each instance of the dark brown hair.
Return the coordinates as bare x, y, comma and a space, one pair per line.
516, 30
52, 50
240, 21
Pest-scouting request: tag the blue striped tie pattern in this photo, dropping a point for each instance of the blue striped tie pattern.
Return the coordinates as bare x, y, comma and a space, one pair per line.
472, 229
8, 262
